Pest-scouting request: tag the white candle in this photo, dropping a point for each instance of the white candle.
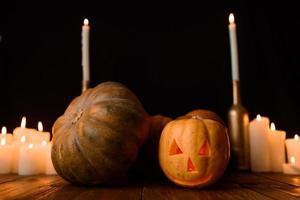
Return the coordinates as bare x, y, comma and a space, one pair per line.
293, 147
8, 137
276, 148
259, 144
31, 160
233, 48
39, 136
5, 157
16, 152
292, 168
50, 170
20, 131
85, 34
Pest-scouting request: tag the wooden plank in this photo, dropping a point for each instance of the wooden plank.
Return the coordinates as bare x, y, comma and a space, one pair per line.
265, 186
221, 190
8, 177
289, 179
130, 190
233, 185
78, 193
29, 187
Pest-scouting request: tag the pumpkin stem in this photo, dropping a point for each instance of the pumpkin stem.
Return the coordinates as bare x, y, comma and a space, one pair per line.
77, 116
197, 117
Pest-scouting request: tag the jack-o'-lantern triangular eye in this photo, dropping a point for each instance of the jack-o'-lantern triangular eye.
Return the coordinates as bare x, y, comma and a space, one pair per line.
204, 149
174, 150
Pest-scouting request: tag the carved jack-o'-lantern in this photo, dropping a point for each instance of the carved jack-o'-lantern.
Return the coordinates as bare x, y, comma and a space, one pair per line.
194, 150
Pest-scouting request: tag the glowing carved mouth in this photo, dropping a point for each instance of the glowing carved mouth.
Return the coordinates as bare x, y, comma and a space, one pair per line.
192, 183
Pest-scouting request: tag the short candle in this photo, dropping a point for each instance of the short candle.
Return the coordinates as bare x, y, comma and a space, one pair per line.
292, 168
4, 135
22, 130
6, 151
39, 136
293, 147
259, 144
277, 150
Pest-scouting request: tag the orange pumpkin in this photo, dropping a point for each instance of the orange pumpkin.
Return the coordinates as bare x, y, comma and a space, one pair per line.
147, 162
194, 149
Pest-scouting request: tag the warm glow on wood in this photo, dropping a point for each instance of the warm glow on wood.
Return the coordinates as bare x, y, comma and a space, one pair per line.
296, 137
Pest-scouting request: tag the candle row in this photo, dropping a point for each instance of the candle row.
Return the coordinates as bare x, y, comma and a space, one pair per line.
26, 151
267, 148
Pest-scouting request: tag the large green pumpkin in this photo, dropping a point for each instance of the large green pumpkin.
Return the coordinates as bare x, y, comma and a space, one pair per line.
98, 137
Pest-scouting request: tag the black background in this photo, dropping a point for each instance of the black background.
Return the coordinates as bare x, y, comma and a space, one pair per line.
175, 58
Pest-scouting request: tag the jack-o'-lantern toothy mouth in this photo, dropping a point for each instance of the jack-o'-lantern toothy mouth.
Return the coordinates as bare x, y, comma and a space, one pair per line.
192, 183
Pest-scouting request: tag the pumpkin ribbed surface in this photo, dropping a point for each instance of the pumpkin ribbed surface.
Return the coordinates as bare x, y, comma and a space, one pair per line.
99, 135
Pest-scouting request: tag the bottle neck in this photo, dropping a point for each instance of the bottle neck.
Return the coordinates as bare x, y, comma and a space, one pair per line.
236, 92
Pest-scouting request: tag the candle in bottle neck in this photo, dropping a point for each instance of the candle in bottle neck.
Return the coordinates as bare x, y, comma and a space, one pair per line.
233, 48
85, 50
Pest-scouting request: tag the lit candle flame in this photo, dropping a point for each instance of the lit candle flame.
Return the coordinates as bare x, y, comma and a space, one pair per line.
231, 18
3, 131
23, 139
86, 22
3, 141
30, 146
273, 128
258, 117
293, 160
40, 126
296, 137
44, 143
23, 122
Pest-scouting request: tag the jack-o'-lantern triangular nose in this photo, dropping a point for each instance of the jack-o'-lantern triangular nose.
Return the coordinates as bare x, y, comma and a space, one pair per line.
190, 166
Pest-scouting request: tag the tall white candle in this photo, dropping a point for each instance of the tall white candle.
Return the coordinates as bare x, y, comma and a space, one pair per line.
277, 151
233, 48
293, 147
85, 38
259, 144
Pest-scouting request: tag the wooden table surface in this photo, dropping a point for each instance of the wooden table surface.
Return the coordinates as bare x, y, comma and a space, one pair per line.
233, 185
